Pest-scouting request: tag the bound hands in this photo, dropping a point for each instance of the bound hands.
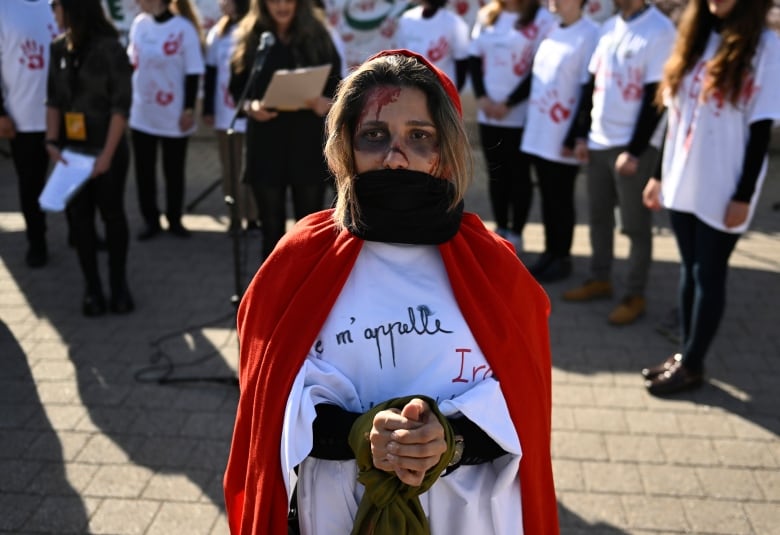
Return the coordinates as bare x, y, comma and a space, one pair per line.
407, 442
580, 151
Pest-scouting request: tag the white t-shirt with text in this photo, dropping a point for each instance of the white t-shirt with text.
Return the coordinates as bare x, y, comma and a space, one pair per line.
706, 139
560, 68
27, 28
162, 54
629, 55
507, 56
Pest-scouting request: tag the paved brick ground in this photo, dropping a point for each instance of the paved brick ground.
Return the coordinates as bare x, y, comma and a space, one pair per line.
91, 443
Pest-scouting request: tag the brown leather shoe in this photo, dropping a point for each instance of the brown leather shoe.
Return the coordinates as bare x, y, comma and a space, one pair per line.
590, 290
655, 371
676, 379
628, 311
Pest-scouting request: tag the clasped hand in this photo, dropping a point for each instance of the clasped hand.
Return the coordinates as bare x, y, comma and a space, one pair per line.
407, 442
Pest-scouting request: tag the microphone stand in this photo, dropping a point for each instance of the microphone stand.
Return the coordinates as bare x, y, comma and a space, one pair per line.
230, 200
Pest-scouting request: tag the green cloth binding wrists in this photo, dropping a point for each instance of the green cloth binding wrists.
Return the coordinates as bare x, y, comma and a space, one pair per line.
389, 506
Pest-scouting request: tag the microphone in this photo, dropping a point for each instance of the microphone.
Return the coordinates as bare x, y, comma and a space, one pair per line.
267, 40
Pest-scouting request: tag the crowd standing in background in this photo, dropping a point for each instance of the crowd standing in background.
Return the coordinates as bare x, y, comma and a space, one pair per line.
27, 27
616, 119
284, 147
504, 40
165, 50
720, 87
88, 102
219, 110
560, 67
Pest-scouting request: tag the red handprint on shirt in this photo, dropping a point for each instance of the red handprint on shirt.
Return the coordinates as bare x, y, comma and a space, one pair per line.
530, 31
32, 55
227, 98
522, 64
172, 45
438, 50
631, 87
550, 104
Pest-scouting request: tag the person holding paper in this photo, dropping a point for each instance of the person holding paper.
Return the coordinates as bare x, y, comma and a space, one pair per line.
89, 95
284, 147
26, 29
377, 335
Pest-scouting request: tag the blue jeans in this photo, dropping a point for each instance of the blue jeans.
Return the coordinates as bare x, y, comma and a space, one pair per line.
704, 254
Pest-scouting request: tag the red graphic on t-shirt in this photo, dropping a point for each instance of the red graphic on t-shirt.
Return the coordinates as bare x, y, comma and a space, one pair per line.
388, 27
163, 98
550, 104
749, 89
438, 50
32, 55
172, 45
521, 65
530, 31
631, 86
461, 7
53, 30
594, 6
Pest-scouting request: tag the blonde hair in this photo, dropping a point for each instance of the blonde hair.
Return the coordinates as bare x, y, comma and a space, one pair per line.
455, 162
187, 10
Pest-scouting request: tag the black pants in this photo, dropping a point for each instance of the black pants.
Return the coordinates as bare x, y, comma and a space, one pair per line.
174, 153
272, 205
509, 170
556, 185
31, 162
704, 254
104, 193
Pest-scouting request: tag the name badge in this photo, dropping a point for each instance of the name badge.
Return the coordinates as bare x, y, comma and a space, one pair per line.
75, 126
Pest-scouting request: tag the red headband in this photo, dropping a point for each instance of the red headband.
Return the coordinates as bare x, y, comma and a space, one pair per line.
445, 81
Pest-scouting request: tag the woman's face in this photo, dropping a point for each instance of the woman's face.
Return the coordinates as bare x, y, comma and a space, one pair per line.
721, 8
228, 8
282, 12
58, 12
395, 131
150, 6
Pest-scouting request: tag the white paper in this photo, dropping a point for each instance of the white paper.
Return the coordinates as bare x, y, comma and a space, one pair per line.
65, 180
289, 90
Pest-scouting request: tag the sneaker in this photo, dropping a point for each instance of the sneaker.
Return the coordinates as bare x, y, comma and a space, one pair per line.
628, 311
590, 290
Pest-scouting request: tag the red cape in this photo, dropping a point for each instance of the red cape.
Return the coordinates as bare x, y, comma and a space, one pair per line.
284, 309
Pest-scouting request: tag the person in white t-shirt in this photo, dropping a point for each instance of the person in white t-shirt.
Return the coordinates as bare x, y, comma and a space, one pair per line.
438, 34
615, 122
219, 109
165, 50
504, 41
720, 88
559, 70
27, 27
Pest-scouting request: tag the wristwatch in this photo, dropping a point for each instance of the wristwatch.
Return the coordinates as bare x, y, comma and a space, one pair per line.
457, 454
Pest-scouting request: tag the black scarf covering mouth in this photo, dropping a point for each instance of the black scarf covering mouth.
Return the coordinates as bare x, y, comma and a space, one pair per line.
402, 206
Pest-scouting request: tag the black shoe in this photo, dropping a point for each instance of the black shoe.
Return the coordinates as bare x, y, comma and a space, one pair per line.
541, 264
178, 230
148, 233
122, 301
676, 379
37, 255
94, 304
559, 269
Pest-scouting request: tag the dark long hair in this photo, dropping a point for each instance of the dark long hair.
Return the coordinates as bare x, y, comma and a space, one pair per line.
84, 20
727, 70
225, 23
309, 38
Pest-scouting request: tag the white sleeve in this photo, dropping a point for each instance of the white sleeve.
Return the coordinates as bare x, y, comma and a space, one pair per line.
658, 52
764, 103
193, 57
496, 422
